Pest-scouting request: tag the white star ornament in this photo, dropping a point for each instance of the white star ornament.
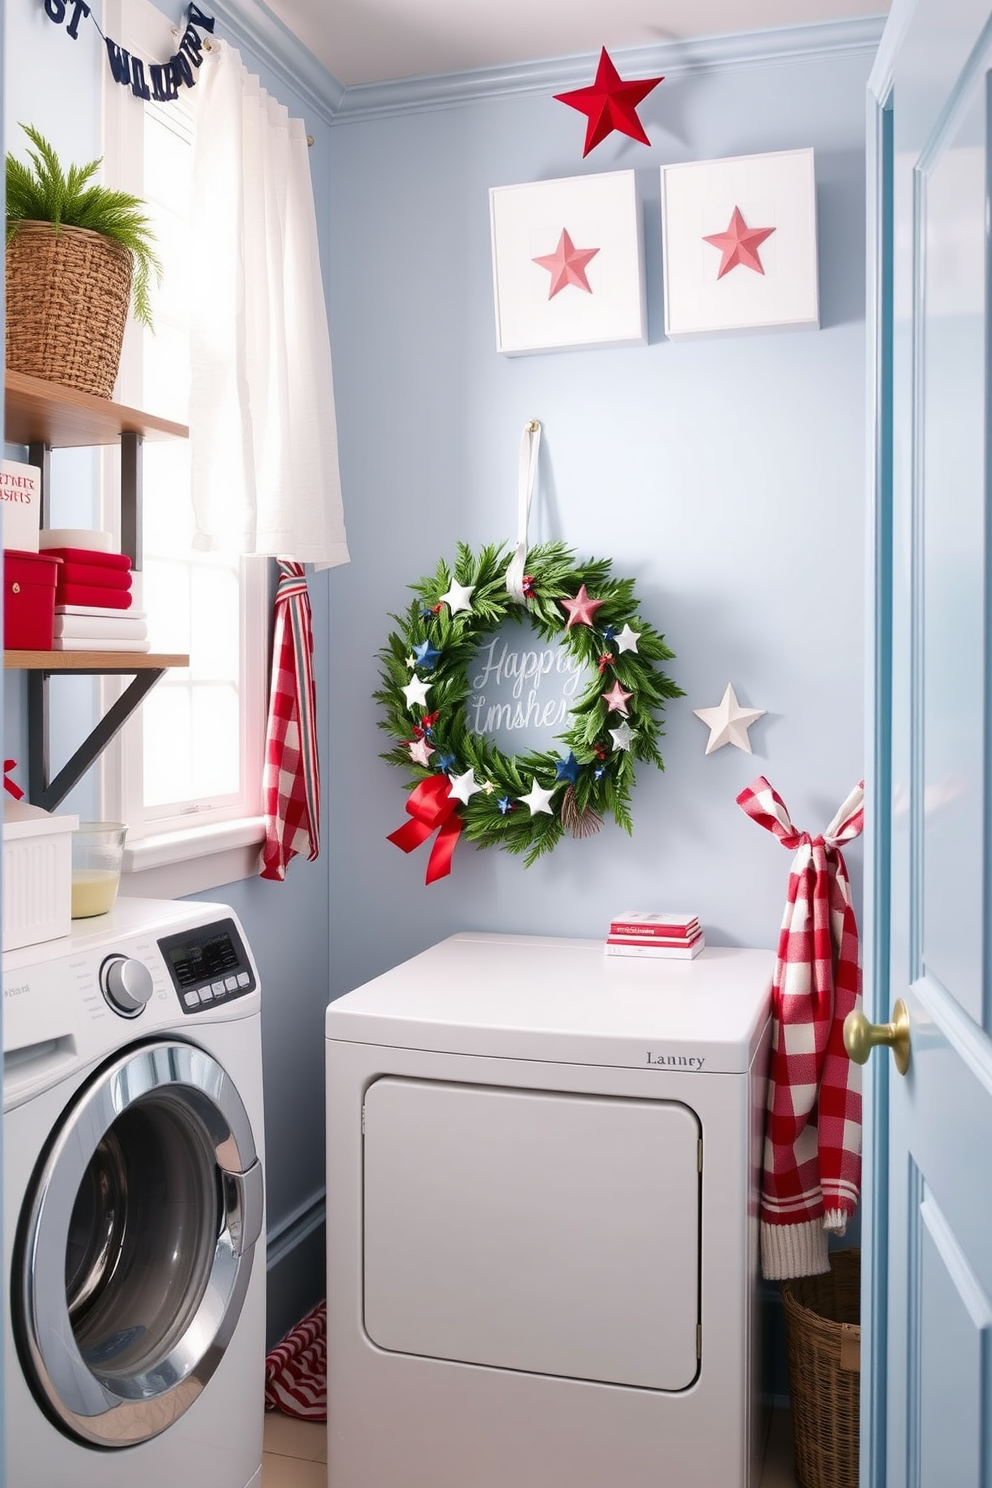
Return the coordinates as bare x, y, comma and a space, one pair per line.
415, 692
627, 639
728, 722
464, 787
458, 597
538, 799
622, 736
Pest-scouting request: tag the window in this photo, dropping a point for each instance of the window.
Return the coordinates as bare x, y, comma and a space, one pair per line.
190, 760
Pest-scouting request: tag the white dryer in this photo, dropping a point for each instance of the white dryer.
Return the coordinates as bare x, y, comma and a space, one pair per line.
133, 1203
542, 1255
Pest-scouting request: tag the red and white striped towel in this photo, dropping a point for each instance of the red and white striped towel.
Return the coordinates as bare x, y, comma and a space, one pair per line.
296, 1370
291, 777
812, 1159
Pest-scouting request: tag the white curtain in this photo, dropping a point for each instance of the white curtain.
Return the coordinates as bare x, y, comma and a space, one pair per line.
263, 439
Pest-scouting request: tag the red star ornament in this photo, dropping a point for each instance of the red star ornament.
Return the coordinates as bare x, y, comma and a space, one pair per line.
581, 609
739, 245
567, 265
610, 104
617, 699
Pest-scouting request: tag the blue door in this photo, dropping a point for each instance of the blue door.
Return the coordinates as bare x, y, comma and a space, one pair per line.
927, 1402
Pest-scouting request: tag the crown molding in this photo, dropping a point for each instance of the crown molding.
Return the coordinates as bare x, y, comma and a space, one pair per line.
250, 24
780, 45
880, 81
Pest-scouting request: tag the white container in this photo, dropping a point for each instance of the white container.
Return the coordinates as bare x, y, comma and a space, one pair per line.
37, 868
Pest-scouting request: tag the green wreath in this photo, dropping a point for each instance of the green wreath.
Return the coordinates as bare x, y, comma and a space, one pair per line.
525, 803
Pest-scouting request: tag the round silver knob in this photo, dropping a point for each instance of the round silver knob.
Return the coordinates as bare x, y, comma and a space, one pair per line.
127, 984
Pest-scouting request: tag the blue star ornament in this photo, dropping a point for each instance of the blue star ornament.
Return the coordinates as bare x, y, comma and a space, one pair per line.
426, 655
567, 769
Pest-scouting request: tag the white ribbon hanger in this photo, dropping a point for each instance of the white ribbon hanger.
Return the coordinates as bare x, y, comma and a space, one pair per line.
530, 444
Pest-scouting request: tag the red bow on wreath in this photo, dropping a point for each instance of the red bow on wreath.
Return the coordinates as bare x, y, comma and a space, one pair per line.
432, 806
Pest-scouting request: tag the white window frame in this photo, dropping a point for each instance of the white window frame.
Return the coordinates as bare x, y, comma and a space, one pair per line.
172, 856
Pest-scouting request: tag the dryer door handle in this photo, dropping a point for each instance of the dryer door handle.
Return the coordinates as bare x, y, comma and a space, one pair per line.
244, 1203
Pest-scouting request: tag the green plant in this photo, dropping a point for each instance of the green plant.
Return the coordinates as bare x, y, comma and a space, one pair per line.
43, 192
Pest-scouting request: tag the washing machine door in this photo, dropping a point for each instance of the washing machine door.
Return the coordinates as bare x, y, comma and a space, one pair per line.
135, 1244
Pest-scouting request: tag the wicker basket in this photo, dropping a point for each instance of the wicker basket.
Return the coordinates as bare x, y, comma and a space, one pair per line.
67, 301
823, 1342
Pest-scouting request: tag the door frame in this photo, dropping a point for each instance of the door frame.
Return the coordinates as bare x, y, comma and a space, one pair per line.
879, 320
878, 740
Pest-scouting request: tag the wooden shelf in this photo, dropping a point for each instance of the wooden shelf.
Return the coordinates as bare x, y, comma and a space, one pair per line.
91, 661
47, 416
37, 412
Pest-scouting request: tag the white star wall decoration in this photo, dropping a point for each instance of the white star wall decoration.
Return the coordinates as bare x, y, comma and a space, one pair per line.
728, 722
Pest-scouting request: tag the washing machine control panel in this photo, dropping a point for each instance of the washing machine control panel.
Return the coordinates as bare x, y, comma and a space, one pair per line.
208, 965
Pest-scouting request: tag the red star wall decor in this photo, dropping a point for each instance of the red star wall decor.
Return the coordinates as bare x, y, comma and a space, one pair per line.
567, 265
610, 104
776, 286
739, 245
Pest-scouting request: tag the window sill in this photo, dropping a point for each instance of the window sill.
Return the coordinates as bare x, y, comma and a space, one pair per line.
170, 865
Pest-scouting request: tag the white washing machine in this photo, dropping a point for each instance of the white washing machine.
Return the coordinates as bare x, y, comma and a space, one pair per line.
134, 1252
542, 1229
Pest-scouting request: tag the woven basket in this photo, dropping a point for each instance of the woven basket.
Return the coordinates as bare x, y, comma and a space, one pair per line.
67, 300
823, 1342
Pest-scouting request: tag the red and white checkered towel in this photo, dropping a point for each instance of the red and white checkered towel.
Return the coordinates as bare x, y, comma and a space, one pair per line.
291, 777
812, 1159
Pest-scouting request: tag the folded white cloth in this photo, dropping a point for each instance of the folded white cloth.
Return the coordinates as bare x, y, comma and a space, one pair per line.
100, 628
110, 614
76, 537
97, 643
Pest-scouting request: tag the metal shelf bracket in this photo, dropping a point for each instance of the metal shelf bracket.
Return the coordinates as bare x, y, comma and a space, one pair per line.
49, 793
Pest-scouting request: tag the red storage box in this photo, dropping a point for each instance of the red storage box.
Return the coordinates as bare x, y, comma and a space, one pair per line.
28, 600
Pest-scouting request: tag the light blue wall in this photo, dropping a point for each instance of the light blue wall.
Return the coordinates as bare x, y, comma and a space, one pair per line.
725, 476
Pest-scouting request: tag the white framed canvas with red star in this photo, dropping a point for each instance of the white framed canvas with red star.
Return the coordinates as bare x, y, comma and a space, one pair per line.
567, 264
739, 245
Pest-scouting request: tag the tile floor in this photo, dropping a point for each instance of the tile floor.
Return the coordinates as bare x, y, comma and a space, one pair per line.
295, 1454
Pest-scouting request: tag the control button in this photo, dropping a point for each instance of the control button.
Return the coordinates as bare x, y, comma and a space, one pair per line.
127, 984
206, 994
191, 999
218, 989
231, 983
243, 979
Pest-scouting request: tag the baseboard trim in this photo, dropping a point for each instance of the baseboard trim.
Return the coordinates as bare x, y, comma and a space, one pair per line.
287, 1233
295, 1278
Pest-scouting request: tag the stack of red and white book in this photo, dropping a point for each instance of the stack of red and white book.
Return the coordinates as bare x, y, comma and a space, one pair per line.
674, 936
93, 603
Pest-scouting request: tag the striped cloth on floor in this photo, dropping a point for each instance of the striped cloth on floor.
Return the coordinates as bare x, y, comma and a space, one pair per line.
296, 1370
291, 778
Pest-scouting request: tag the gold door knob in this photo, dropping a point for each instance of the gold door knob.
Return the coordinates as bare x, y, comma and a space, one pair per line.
860, 1036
